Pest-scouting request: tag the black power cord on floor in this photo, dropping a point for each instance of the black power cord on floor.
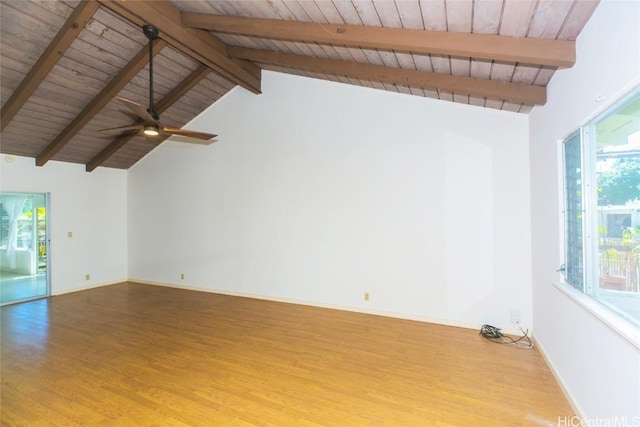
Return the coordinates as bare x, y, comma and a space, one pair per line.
494, 334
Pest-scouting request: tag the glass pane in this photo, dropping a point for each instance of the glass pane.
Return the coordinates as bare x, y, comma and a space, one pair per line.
618, 184
573, 211
23, 247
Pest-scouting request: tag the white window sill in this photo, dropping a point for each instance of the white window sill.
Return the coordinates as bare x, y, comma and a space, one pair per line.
623, 328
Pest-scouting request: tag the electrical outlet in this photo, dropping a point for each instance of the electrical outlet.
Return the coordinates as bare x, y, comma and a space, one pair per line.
182, 276
366, 296
515, 316
87, 277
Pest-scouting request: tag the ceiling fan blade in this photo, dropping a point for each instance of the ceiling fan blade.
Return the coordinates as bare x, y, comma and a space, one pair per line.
199, 137
138, 109
121, 129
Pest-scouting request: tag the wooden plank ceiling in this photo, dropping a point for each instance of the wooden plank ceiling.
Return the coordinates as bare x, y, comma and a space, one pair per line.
64, 62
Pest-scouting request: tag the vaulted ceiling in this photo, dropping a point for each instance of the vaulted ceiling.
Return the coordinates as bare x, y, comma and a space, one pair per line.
63, 63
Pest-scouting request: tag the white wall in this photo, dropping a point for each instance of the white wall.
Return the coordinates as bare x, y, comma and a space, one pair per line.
93, 206
319, 192
600, 370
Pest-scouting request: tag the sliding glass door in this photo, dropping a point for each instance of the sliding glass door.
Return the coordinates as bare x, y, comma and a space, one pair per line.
23, 247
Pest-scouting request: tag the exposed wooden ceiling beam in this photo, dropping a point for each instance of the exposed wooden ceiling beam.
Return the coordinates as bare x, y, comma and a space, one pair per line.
102, 99
58, 46
547, 52
111, 149
197, 44
492, 89
185, 86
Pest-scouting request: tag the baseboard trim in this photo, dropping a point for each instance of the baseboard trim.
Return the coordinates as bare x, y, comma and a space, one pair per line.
558, 378
86, 288
403, 316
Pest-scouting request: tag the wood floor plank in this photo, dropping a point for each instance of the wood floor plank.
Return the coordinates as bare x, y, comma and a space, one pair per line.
134, 354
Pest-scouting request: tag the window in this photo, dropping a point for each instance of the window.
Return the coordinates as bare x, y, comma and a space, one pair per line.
602, 208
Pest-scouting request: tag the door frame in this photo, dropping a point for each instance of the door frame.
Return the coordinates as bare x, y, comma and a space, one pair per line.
47, 240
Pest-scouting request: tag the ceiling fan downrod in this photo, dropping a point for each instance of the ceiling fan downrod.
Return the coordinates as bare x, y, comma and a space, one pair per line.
152, 33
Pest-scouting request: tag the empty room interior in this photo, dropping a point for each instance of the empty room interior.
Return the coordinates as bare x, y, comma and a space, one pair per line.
320, 213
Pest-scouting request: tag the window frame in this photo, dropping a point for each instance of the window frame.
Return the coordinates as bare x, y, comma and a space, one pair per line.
588, 292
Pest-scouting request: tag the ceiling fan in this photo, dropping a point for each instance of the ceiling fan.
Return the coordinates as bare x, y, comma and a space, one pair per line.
150, 120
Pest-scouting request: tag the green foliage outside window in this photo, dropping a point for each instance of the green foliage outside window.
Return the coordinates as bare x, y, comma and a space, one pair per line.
621, 183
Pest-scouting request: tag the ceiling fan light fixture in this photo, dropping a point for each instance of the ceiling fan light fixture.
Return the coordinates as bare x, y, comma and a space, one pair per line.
150, 130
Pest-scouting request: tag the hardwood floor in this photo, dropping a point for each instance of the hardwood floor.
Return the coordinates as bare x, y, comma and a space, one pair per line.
133, 354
